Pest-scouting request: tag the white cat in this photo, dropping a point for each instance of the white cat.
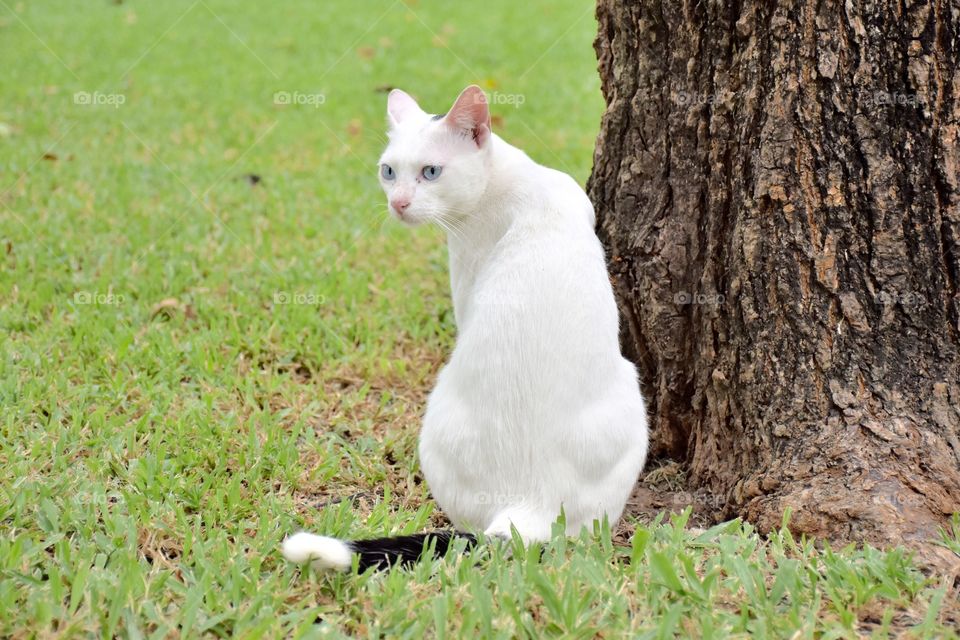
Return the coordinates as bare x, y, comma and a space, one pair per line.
537, 410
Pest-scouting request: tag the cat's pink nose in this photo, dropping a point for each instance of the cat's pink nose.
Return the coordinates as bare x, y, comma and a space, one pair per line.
400, 204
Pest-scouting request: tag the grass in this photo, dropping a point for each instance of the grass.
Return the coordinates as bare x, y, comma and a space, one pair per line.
193, 365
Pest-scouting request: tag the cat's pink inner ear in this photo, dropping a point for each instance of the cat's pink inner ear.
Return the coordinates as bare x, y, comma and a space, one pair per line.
401, 106
471, 115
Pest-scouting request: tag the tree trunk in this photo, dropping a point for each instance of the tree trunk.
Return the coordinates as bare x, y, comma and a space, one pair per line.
778, 188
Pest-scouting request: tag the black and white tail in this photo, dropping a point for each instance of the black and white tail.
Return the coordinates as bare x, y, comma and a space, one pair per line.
331, 553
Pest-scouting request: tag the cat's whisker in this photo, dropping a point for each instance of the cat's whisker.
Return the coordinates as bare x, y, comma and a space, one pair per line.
447, 225
457, 232
460, 233
463, 215
457, 222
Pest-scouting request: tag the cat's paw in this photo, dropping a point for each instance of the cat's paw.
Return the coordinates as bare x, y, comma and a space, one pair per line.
530, 527
499, 533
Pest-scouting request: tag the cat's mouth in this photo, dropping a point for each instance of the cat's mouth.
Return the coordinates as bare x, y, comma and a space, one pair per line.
406, 217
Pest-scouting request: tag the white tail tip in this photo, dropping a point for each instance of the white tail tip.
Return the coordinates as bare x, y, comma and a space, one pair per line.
322, 552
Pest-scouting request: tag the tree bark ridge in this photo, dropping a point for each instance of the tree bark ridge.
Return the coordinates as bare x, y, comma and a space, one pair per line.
778, 187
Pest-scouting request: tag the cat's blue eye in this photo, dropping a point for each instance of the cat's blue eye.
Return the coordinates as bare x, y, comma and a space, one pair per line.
386, 172
432, 172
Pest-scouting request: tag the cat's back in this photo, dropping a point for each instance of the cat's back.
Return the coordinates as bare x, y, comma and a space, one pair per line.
560, 200
542, 196
550, 240
546, 280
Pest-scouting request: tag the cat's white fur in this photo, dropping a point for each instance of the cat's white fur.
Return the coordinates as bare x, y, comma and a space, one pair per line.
322, 552
537, 410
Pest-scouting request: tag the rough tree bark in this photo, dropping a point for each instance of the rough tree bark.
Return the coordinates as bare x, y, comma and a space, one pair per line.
778, 187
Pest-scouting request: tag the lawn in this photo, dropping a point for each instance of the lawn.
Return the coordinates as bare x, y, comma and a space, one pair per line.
212, 336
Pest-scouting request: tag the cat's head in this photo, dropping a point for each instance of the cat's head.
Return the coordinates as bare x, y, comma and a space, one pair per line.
435, 167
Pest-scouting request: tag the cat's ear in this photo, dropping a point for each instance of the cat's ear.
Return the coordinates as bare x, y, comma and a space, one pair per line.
470, 115
401, 106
